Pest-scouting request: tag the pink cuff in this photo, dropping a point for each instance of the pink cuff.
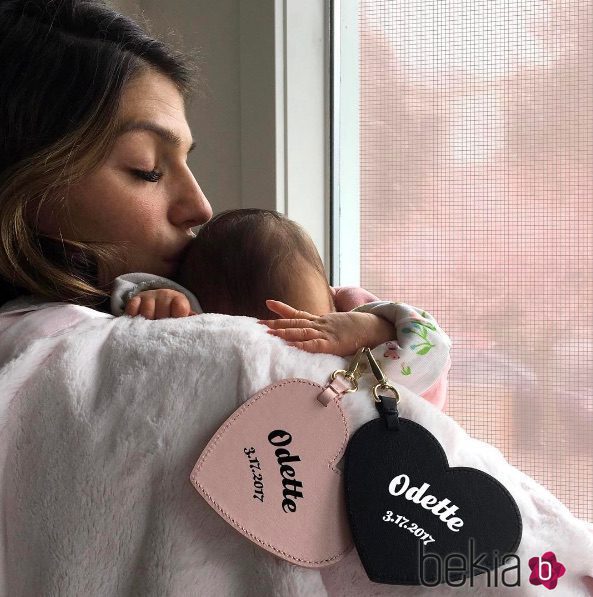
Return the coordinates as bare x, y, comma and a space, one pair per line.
437, 393
347, 298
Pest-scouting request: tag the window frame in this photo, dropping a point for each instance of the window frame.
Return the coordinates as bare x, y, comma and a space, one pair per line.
345, 137
285, 112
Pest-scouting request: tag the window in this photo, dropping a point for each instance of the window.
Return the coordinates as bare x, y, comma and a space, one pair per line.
463, 184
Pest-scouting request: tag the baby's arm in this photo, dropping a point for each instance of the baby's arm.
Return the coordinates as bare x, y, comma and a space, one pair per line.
419, 356
335, 333
407, 342
153, 297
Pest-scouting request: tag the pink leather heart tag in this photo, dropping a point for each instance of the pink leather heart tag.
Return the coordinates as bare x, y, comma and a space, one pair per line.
269, 471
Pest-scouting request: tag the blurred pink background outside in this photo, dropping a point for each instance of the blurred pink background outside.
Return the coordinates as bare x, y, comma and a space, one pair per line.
477, 205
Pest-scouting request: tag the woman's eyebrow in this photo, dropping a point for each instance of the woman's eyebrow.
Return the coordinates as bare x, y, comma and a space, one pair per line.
145, 125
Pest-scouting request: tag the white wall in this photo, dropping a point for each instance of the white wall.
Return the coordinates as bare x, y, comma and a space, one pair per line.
212, 28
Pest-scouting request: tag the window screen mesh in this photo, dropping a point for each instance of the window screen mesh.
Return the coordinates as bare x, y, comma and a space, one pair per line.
477, 205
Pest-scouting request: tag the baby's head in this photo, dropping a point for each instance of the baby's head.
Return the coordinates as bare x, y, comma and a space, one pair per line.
242, 257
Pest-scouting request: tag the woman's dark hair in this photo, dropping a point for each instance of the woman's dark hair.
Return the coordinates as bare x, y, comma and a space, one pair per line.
241, 257
63, 68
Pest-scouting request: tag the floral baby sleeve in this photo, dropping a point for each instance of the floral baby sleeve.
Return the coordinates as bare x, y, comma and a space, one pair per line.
420, 356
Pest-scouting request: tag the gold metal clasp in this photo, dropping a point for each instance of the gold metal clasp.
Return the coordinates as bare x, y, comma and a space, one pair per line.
353, 373
383, 382
357, 368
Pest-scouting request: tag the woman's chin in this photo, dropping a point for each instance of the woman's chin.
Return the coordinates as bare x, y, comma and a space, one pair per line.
170, 268
162, 267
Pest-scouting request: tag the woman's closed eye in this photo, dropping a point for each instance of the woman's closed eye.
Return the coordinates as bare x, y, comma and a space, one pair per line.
148, 175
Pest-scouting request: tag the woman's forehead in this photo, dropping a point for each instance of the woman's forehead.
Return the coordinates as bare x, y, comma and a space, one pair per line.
152, 102
165, 134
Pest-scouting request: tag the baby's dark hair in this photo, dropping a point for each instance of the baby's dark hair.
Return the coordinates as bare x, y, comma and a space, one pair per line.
242, 257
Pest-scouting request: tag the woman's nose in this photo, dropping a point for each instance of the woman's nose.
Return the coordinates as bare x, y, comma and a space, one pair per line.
191, 207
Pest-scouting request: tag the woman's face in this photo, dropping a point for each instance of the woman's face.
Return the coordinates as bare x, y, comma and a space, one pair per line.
143, 193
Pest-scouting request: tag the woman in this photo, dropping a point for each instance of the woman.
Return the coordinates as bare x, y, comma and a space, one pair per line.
93, 152
93, 184
101, 418
93, 175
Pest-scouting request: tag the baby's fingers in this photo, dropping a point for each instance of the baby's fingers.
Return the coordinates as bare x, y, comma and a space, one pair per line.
180, 307
279, 324
132, 307
162, 307
322, 345
286, 311
297, 334
314, 345
147, 307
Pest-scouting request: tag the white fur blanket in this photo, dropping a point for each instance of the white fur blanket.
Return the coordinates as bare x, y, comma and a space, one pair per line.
102, 422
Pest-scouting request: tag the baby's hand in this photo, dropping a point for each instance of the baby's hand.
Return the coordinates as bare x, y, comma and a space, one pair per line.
159, 304
335, 333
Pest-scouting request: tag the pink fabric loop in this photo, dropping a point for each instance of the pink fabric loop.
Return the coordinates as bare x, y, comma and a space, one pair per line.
333, 391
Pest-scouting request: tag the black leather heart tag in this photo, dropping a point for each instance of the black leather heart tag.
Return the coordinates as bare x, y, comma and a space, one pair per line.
404, 502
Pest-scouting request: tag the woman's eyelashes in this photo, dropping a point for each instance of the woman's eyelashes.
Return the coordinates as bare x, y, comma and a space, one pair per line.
148, 175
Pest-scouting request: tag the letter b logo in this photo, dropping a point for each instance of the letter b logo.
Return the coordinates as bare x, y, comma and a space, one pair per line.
544, 569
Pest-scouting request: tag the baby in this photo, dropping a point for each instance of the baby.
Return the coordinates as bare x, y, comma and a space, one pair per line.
240, 258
